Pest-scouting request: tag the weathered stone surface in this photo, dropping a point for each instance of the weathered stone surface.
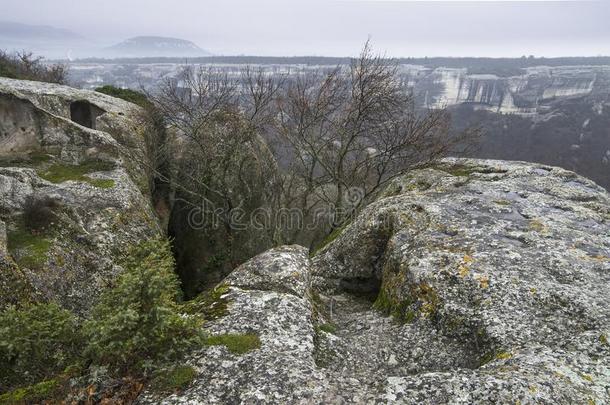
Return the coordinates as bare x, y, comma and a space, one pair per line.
511, 260
276, 270
495, 275
84, 175
283, 370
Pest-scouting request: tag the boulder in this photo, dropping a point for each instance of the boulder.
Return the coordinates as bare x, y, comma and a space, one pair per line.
475, 281
71, 198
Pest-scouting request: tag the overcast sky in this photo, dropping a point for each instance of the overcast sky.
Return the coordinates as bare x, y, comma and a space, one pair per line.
338, 27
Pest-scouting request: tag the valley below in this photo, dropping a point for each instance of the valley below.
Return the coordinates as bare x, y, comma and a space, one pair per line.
552, 114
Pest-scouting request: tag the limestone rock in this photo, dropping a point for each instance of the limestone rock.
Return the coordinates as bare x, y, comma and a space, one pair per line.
79, 176
471, 282
275, 270
283, 369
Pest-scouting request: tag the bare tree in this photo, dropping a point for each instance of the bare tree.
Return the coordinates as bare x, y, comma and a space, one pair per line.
321, 143
24, 65
223, 166
353, 129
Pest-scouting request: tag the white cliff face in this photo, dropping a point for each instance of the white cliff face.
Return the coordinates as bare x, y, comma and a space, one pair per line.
446, 87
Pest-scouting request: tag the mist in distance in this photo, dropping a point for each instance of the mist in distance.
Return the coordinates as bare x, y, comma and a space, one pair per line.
334, 28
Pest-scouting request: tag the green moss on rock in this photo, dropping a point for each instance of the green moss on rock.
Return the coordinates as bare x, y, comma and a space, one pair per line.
59, 173
235, 343
421, 299
327, 327
210, 305
328, 240
29, 249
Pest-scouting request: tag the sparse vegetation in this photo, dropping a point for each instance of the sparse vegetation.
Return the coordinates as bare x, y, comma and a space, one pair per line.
39, 213
307, 152
29, 249
328, 240
137, 326
26, 66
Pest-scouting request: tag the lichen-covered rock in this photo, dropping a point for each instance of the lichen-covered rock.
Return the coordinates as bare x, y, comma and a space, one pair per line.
473, 282
511, 260
70, 201
283, 369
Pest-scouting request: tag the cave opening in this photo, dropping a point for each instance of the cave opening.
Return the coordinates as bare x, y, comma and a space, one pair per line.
365, 287
84, 113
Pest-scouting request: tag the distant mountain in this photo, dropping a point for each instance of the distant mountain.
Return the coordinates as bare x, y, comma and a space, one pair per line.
43, 40
150, 46
18, 31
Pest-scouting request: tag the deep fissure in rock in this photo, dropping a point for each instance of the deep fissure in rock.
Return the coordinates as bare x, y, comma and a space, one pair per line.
202, 255
367, 287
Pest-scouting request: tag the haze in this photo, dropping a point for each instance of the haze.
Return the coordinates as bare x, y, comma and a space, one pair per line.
338, 28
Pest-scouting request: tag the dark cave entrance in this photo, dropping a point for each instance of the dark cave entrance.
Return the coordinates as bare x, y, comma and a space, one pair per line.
84, 113
365, 287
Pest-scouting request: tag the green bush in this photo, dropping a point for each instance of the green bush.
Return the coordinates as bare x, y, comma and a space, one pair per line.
138, 321
132, 96
32, 394
36, 342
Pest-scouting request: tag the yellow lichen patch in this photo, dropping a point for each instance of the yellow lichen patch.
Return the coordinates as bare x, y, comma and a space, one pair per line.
483, 280
503, 355
464, 268
537, 226
533, 389
533, 290
429, 298
587, 377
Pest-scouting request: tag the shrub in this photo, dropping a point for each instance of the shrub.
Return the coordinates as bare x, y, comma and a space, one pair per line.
132, 96
31, 394
36, 342
39, 213
138, 321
